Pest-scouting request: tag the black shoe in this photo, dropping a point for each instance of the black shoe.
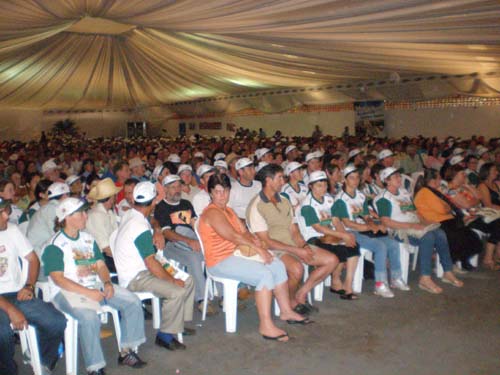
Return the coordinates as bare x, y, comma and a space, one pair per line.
312, 309
301, 309
467, 266
97, 372
131, 359
189, 331
172, 345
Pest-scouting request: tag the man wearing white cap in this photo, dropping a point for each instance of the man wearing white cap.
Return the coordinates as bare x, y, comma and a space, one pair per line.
175, 217
139, 271
50, 170
295, 190
137, 169
355, 157
264, 154
412, 161
291, 154
41, 225
245, 188
313, 161
386, 158
483, 155
102, 220
202, 199
80, 284
189, 190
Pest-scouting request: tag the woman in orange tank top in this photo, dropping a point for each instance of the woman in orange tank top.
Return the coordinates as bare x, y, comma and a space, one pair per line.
221, 233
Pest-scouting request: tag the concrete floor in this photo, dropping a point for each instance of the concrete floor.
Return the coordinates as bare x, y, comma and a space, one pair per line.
455, 333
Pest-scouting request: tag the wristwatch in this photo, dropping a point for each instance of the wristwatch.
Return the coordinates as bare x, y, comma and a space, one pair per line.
30, 286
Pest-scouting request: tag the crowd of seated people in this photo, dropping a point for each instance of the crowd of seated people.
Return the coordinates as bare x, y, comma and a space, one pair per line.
80, 211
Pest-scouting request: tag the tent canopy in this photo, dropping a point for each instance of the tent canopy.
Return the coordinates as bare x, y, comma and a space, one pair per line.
94, 54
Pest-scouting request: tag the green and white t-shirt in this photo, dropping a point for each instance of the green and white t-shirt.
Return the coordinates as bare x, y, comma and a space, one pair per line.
351, 207
13, 245
398, 207
295, 197
133, 244
75, 257
312, 212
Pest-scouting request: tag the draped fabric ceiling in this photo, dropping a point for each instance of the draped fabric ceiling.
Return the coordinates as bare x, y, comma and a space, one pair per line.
95, 54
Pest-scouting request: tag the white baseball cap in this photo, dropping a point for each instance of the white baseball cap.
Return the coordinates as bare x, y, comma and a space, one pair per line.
384, 154
135, 162
49, 165
144, 192
317, 176
170, 179
56, 189
69, 206
71, 180
456, 159
220, 164
350, 168
199, 154
292, 166
204, 168
260, 152
290, 148
157, 172
220, 156
174, 158
458, 151
313, 155
387, 172
183, 168
481, 150
242, 163
354, 152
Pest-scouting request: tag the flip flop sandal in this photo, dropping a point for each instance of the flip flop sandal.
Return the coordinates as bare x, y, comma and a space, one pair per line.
337, 291
277, 338
428, 289
349, 297
452, 282
302, 322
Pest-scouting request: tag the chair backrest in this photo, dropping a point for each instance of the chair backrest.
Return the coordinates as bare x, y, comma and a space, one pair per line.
197, 231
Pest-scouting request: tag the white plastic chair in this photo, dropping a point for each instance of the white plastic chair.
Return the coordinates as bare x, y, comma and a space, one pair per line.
230, 290
405, 250
357, 284
29, 348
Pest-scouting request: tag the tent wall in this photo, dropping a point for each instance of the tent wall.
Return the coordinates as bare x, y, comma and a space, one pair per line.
290, 124
441, 122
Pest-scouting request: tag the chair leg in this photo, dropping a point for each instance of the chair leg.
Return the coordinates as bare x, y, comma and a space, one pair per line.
318, 292
474, 260
277, 310
404, 256
357, 284
71, 345
33, 349
155, 303
205, 299
231, 305
439, 267
415, 257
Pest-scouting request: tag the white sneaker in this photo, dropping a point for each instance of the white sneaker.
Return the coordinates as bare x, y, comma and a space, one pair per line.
399, 284
383, 291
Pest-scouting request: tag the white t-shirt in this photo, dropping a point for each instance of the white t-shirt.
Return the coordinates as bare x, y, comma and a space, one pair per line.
189, 196
75, 257
123, 207
133, 243
13, 245
313, 211
241, 195
295, 197
200, 201
398, 207
352, 208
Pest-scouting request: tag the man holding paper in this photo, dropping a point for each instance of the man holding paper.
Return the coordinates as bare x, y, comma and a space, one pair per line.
140, 271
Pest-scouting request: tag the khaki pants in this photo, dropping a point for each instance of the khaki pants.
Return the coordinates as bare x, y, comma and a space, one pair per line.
177, 302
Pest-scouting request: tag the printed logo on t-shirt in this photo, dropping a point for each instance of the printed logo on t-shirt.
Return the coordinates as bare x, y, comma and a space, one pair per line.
4, 266
86, 268
357, 211
181, 217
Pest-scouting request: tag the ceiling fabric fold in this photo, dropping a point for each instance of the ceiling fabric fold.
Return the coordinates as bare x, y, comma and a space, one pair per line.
95, 54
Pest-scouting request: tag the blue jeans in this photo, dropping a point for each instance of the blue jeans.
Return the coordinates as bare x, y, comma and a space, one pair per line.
49, 324
435, 239
382, 247
251, 272
182, 253
89, 325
